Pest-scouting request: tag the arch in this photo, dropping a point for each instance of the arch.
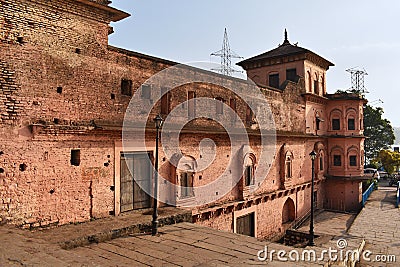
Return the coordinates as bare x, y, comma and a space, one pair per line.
187, 163
351, 119
337, 156
335, 117
336, 112
288, 165
249, 165
352, 149
185, 172
337, 149
318, 146
316, 83
323, 85
353, 157
288, 211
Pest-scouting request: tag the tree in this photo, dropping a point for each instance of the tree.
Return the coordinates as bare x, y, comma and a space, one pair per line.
390, 160
378, 132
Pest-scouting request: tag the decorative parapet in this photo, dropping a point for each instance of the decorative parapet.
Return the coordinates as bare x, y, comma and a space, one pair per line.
226, 208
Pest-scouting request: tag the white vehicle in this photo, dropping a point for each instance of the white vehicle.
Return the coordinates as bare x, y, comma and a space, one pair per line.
371, 172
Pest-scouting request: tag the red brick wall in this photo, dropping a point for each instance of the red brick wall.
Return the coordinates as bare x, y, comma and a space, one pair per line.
40, 125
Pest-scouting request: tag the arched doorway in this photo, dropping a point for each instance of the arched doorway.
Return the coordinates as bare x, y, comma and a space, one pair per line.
288, 211
185, 175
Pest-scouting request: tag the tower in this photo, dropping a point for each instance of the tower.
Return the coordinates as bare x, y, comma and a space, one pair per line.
357, 80
226, 55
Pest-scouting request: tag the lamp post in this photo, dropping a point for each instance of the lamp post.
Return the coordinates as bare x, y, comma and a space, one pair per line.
158, 123
313, 155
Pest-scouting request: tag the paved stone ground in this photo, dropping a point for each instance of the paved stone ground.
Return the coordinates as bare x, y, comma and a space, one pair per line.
379, 224
186, 244
139, 221
330, 223
182, 244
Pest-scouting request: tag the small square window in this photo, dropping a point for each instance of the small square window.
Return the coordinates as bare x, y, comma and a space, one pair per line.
146, 91
291, 75
126, 87
274, 80
335, 124
351, 124
353, 160
337, 160
75, 157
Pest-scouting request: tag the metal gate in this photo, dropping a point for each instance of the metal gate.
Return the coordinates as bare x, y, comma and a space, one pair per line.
135, 181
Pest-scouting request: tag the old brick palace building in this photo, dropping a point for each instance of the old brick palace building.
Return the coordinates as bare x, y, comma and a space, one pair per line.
63, 96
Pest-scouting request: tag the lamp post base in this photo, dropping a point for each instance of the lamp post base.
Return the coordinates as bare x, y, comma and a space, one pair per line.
154, 228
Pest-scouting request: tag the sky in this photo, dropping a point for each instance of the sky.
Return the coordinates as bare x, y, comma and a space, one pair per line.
351, 34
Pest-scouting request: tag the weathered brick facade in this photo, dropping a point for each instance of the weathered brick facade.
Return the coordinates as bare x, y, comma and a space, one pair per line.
62, 106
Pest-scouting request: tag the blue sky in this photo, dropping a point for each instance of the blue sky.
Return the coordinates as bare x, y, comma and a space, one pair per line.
350, 34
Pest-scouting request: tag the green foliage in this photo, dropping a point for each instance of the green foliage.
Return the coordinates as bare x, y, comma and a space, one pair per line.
390, 160
367, 183
378, 131
372, 164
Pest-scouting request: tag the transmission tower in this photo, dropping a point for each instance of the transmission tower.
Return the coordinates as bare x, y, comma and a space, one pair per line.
357, 80
226, 55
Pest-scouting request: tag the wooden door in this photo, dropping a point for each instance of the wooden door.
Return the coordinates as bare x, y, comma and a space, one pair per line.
245, 225
135, 181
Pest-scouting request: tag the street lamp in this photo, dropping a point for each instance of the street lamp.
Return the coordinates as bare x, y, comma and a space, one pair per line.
313, 155
158, 123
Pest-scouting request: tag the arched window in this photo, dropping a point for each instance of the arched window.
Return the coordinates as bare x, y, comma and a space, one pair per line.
249, 167
309, 82
351, 116
323, 85
288, 165
337, 156
316, 84
353, 157
336, 116
321, 161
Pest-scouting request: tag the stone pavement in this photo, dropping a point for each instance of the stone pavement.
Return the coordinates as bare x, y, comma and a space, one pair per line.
182, 244
120, 241
133, 222
330, 223
379, 224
